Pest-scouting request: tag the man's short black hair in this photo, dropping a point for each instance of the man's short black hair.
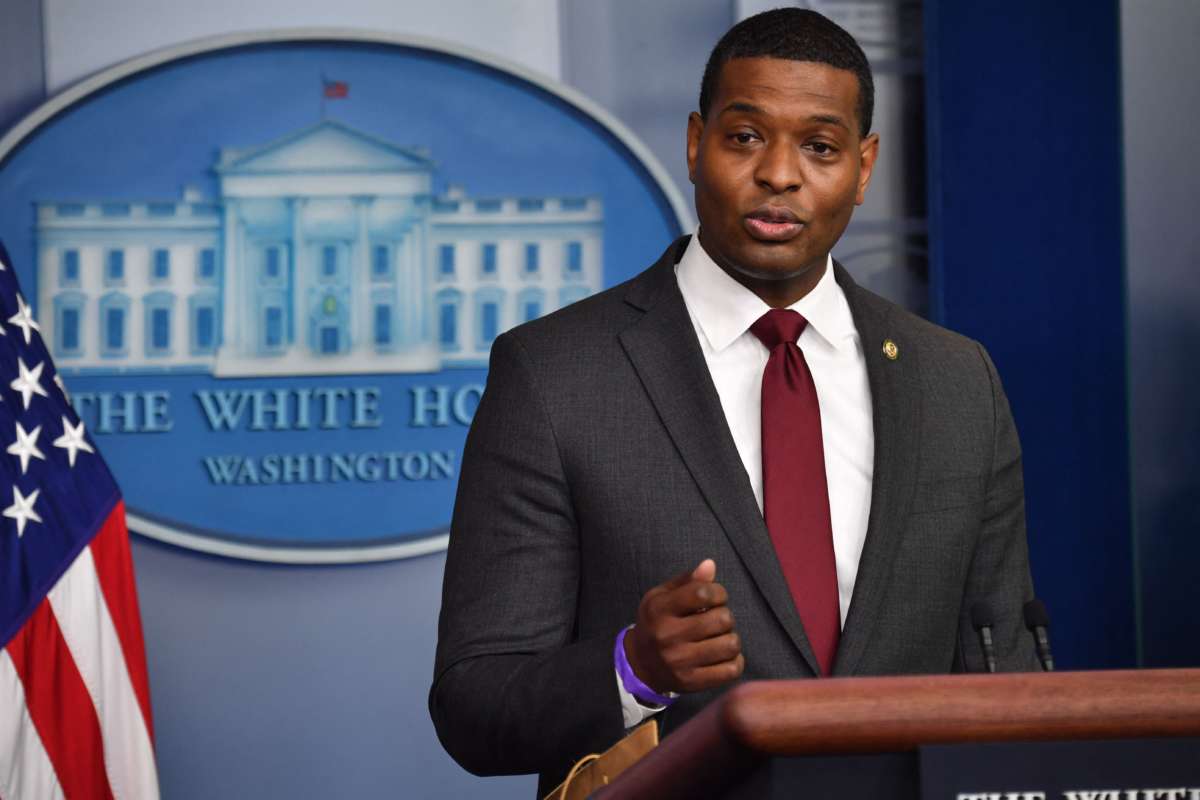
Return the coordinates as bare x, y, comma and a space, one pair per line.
796, 34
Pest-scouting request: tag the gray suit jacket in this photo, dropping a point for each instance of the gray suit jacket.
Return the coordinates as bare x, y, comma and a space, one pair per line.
599, 464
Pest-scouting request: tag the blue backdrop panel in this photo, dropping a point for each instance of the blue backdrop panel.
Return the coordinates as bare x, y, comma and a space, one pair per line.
1162, 194
1024, 126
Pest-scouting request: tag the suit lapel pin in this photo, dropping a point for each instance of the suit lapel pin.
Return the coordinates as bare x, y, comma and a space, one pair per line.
890, 350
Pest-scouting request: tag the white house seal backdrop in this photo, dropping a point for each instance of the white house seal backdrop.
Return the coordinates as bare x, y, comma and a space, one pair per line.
271, 268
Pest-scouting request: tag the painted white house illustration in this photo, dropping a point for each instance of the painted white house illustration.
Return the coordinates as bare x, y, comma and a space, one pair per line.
326, 251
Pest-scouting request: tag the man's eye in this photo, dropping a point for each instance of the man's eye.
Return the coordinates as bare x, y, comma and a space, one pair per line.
822, 148
744, 138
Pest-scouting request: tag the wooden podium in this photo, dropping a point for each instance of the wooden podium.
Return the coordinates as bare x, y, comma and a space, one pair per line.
723, 750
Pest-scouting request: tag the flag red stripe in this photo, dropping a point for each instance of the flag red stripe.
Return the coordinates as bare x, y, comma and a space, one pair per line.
29, 773
59, 706
114, 568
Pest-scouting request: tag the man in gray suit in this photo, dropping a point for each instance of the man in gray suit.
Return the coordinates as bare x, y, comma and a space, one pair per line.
741, 410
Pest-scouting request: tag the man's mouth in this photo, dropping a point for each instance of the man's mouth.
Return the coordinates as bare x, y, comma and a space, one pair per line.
773, 223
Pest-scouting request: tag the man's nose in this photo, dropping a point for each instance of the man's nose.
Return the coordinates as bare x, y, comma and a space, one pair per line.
779, 169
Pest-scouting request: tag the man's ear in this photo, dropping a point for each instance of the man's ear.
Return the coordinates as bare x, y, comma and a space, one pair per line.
867, 153
695, 129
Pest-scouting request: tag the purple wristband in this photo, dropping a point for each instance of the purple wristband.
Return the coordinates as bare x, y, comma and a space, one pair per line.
630, 681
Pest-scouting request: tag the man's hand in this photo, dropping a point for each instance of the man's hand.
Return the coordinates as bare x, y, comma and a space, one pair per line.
684, 639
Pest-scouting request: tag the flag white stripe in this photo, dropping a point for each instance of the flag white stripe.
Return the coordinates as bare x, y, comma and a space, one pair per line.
83, 617
30, 776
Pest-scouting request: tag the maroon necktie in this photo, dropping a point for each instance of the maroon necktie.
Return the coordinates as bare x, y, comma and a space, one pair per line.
795, 492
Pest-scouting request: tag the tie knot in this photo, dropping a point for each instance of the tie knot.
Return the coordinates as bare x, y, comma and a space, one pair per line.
777, 326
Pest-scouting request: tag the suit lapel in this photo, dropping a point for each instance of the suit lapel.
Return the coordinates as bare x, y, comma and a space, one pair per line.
663, 349
896, 412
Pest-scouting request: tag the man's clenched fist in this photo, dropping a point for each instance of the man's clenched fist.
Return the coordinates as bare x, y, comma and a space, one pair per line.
684, 639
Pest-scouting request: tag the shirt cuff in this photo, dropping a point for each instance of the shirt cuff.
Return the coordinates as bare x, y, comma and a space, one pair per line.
633, 712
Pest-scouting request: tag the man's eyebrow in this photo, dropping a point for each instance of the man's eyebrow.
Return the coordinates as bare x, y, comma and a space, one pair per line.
745, 108
749, 108
829, 119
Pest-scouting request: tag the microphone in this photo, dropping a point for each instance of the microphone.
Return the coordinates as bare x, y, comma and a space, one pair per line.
1038, 623
983, 620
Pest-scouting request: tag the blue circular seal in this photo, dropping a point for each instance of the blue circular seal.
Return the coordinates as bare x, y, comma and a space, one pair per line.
270, 268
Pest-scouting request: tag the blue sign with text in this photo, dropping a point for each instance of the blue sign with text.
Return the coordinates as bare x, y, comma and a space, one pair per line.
271, 272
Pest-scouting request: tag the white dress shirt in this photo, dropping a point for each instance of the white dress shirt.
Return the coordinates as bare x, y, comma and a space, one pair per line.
722, 311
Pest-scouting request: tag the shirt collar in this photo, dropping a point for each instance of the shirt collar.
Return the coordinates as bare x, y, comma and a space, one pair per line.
724, 309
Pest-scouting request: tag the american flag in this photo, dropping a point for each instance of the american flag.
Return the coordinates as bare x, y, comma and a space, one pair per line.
335, 90
74, 699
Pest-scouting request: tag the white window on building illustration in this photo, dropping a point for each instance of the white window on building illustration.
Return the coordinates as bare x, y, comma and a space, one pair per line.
571, 294
273, 264
446, 260
448, 302
489, 323
329, 338
68, 273
383, 325
328, 327
381, 262
527, 204
573, 261
529, 304
206, 265
532, 253
487, 264
272, 328
68, 324
160, 265
573, 204
114, 267
329, 261
488, 303
202, 313
158, 323
114, 323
